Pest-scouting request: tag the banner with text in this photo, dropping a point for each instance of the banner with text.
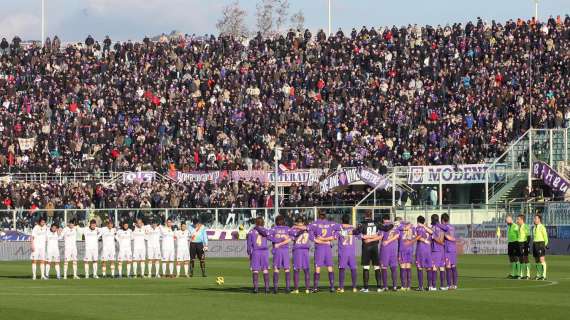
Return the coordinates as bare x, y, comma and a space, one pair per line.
550, 177
139, 176
460, 174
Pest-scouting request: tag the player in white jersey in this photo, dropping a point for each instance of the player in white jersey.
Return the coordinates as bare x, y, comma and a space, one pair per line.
139, 247
52, 258
91, 235
167, 235
153, 248
39, 240
108, 255
182, 250
70, 239
124, 237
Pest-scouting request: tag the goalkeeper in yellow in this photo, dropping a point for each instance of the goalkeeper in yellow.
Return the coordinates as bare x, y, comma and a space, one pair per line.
539, 245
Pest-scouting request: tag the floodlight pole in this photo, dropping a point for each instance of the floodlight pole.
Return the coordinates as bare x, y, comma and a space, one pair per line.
330, 18
277, 157
43, 22
536, 9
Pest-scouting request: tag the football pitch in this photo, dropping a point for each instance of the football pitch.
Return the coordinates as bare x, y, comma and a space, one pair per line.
484, 293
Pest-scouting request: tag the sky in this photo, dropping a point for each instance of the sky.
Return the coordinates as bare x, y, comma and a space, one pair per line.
73, 20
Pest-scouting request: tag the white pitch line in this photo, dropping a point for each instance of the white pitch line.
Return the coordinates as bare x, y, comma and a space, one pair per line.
77, 294
550, 283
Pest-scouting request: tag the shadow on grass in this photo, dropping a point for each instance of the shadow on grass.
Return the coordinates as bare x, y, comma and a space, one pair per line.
226, 289
15, 277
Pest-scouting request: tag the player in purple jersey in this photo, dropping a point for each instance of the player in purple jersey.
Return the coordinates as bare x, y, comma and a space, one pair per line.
258, 251
301, 243
423, 252
389, 253
279, 236
405, 253
323, 233
437, 254
346, 235
450, 252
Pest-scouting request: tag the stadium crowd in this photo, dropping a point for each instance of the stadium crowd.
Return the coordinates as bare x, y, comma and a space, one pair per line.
414, 95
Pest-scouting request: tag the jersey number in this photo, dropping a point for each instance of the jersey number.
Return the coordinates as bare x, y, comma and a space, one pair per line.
258, 241
347, 241
303, 239
370, 230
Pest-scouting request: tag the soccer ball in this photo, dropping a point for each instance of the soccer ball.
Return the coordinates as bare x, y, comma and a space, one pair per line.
220, 280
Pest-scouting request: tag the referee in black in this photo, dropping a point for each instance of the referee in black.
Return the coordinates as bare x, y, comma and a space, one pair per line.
369, 228
198, 246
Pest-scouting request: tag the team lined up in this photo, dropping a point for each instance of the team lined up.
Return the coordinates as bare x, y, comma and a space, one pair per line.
144, 245
385, 245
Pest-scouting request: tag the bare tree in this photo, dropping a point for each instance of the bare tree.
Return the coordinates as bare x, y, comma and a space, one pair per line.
232, 22
298, 20
282, 12
264, 16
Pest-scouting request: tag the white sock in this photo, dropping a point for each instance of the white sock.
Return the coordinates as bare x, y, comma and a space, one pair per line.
34, 272
135, 268
65, 267
113, 269
94, 268
120, 269
43, 269
164, 268
57, 272
157, 267
47, 270
128, 269
87, 270
75, 268
178, 270
187, 268
142, 268
171, 267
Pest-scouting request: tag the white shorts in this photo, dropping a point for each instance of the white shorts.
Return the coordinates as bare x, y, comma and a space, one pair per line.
183, 255
108, 254
153, 253
91, 255
71, 254
168, 255
139, 255
125, 255
52, 255
38, 255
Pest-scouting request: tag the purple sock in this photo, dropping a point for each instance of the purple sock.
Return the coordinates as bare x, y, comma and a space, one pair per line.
275, 280
255, 277
331, 279
409, 277
429, 278
433, 279
353, 276
441, 278
448, 276
307, 274
455, 276
341, 278
266, 281
296, 279
385, 278
420, 278
394, 272
403, 277
316, 278
288, 280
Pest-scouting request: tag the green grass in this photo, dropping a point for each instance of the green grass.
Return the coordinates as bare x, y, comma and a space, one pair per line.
484, 294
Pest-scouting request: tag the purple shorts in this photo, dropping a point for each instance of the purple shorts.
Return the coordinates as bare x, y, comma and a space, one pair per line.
388, 257
438, 259
406, 256
347, 261
281, 259
259, 260
323, 256
423, 259
451, 259
301, 259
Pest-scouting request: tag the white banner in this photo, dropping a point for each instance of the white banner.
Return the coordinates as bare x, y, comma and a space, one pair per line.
485, 246
139, 176
198, 176
26, 143
460, 174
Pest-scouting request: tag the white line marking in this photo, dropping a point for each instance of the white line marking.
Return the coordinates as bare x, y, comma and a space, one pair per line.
550, 283
78, 294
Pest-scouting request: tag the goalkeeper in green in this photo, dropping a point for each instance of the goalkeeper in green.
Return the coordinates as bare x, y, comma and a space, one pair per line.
539, 245
513, 247
524, 247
